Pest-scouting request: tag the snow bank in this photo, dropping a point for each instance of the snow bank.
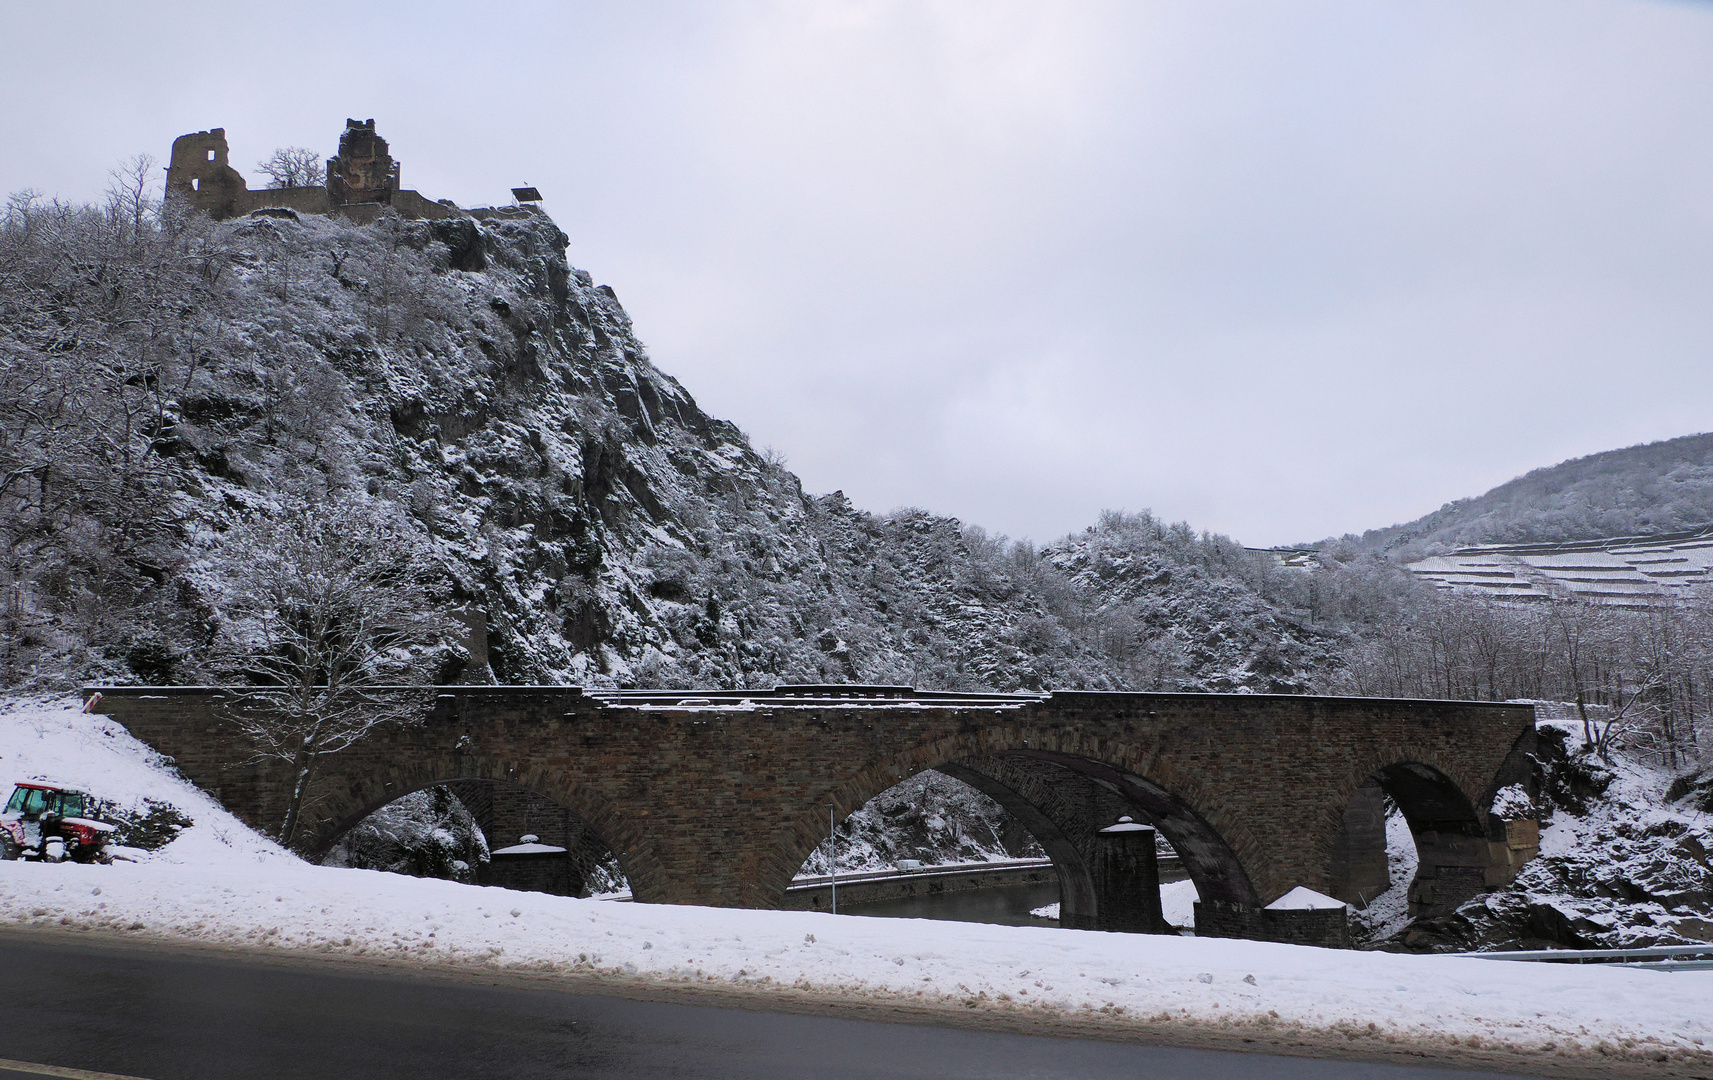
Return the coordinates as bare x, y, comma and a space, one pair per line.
219, 883
55, 740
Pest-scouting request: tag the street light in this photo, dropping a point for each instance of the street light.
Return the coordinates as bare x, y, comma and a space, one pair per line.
833, 856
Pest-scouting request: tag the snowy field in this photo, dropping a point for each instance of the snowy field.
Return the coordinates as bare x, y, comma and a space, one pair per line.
221, 883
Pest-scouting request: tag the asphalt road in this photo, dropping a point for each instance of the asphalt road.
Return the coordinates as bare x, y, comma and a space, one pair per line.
163, 1014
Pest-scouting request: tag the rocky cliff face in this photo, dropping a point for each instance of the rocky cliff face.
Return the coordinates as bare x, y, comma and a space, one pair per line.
592, 524
613, 532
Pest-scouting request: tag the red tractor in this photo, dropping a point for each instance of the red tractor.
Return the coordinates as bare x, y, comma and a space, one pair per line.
49, 822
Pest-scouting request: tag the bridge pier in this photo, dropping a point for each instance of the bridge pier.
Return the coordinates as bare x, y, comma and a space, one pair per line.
1360, 870
1328, 928
1055, 815
1127, 879
1452, 869
1455, 866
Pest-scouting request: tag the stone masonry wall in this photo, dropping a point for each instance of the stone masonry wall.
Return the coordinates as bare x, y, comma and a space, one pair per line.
720, 803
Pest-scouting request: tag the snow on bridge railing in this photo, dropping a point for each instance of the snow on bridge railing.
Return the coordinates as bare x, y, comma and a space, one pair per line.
799, 696
1654, 957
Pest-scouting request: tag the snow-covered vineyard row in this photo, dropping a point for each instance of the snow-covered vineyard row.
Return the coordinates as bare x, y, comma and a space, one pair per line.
220, 882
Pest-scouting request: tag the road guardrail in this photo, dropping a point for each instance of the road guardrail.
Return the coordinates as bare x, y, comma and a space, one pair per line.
1654, 957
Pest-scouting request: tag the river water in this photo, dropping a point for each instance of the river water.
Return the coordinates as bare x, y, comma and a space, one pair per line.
1008, 905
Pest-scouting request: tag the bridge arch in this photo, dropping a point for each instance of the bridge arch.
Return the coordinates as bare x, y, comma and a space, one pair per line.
1063, 788
1212, 853
1070, 862
1456, 857
362, 793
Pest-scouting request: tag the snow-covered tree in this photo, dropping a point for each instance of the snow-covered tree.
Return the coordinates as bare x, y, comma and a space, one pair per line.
292, 167
319, 606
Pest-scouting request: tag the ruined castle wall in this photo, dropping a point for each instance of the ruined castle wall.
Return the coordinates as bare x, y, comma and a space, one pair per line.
199, 171
304, 200
413, 205
362, 181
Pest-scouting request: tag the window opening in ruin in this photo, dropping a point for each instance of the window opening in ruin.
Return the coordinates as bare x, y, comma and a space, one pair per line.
211, 155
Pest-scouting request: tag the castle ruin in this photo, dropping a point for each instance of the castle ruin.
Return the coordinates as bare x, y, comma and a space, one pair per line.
362, 181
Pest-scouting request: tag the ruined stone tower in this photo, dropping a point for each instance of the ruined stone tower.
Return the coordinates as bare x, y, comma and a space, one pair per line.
198, 171
362, 171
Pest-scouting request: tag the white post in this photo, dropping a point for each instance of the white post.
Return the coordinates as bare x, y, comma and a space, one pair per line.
833, 856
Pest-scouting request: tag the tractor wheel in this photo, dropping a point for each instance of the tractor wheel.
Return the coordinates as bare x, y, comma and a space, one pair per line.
9, 849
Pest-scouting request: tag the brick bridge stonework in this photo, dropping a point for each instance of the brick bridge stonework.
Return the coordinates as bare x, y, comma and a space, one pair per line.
717, 797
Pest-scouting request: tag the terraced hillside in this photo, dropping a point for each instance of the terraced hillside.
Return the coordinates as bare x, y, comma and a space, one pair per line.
1635, 572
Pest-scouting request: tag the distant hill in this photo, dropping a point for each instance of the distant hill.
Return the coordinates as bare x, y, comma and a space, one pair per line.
1659, 487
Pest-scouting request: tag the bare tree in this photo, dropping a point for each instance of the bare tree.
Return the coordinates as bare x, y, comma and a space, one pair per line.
1592, 640
292, 167
129, 202
319, 608
91, 301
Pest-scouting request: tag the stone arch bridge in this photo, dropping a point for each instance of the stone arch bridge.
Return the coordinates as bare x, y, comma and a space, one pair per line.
717, 797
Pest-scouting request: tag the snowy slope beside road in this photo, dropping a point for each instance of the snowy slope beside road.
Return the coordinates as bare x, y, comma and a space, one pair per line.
220, 883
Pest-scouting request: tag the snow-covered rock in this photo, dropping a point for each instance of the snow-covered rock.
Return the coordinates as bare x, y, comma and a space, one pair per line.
929, 818
1621, 863
586, 519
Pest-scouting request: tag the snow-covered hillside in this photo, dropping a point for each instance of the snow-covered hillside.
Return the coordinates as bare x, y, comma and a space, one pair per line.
931, 818
179, 385
1658, 487
53, 739
219, 883
571, 502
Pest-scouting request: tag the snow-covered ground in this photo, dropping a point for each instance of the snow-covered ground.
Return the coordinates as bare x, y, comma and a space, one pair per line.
1389, 912
219, 882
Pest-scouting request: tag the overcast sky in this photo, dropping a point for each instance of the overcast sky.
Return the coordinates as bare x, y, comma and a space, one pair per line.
1282, 270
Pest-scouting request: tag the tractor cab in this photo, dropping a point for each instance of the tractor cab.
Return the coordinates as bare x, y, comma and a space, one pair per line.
50, 822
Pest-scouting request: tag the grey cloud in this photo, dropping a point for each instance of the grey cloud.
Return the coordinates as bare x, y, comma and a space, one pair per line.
1283, 270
